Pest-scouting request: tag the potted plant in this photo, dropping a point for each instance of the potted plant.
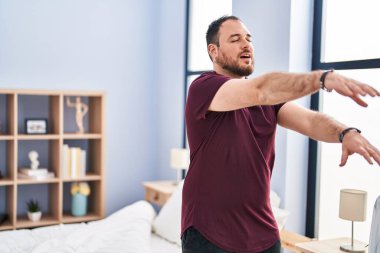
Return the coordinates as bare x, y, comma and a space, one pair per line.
34, 211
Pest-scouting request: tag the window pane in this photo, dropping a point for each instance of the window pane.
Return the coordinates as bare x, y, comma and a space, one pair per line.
351, 30
202, 13
357, 173
190, 79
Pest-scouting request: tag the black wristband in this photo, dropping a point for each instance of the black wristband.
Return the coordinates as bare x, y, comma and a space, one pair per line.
343, 133
322, 80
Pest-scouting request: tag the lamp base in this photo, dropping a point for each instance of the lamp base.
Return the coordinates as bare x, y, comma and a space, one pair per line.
353, 248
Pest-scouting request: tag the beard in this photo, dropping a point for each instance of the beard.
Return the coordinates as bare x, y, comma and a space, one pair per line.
231, 65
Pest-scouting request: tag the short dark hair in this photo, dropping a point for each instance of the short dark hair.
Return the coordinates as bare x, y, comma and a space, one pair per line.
212, 35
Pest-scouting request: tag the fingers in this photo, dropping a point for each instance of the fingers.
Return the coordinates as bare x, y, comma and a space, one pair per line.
344, 157
369, 89
375, 154
358, 144
352, 88
356, 88
366, 155
359, 101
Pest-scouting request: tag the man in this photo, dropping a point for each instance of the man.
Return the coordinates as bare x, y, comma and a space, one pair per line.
231, 124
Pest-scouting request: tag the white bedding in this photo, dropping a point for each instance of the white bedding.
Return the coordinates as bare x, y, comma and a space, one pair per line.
160, 245
128, 230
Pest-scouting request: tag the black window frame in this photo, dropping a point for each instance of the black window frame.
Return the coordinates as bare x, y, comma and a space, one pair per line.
317, 64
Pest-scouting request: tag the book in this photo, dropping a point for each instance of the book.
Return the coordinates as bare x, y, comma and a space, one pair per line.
78, 162
30, 172
83, 167
35, 177
64, 161
73, 162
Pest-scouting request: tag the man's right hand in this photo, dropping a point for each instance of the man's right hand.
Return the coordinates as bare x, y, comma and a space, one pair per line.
350, 88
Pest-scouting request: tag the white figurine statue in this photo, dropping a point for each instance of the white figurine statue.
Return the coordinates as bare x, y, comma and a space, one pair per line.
81, 110
33, 157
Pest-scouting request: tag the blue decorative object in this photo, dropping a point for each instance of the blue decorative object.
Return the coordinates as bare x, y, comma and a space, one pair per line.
79, 205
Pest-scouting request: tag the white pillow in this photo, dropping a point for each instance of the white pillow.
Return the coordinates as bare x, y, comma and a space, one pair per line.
168, 221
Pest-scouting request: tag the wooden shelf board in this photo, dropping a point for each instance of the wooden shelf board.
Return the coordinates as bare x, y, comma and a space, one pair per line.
75, 136
24, 222
38, 181
6, 225
6, 137
68, 218
7, 91
87, 93
6, 181
38, 137
84, 93
88, 177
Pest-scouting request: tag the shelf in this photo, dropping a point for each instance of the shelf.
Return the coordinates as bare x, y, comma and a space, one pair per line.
88, 177
75, 136
24, 222
6, 181
68, 218
6, 225
38, 181
17, 106
5, 137
38, 137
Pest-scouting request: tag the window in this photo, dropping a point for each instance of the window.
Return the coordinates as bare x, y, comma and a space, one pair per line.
202, 13
345, 38
199, 15
351, 30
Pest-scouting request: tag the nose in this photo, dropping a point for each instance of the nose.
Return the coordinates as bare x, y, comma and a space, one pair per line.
247, 45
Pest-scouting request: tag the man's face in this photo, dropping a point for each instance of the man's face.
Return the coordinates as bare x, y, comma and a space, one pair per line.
235, 51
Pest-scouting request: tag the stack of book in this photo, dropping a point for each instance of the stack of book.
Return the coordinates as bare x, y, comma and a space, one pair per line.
73, 162
38, 174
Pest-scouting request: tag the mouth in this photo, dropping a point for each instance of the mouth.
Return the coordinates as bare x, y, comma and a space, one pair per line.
246, 56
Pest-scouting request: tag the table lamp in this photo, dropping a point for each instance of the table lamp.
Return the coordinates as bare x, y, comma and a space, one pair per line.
353, 207
179, 160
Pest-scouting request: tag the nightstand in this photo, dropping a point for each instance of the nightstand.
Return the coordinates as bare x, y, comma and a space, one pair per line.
325, 246
158, 192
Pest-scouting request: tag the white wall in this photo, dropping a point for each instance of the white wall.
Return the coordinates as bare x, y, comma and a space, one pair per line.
171, 71
282, 33
134, 50
101, 45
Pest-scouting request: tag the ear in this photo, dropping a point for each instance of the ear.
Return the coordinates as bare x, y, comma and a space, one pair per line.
212, 51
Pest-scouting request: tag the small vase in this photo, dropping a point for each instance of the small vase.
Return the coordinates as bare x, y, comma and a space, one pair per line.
34, 216
79, 205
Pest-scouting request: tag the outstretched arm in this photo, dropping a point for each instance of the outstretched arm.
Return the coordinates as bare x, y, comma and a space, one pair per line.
69, 103
274, 88
321, 127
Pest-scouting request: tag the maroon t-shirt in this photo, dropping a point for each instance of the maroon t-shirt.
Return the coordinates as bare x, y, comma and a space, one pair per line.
226, 190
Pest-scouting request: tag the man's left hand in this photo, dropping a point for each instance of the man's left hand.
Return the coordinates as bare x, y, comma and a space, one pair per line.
354, 142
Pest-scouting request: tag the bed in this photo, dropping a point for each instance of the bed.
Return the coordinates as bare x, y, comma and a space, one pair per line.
136, 228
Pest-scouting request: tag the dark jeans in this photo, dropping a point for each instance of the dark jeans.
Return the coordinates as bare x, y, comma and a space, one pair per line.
194, 242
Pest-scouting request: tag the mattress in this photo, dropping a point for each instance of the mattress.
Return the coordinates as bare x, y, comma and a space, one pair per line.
160, 245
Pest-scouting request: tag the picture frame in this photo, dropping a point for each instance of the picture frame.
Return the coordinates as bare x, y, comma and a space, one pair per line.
36, 126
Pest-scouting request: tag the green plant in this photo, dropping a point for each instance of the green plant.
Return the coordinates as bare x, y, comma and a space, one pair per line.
33, 206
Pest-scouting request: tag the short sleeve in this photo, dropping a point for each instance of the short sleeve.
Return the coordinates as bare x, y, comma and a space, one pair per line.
202, 92
278, 107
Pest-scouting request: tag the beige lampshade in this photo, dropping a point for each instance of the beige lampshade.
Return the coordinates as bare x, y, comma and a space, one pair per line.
179, 158
353, 205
